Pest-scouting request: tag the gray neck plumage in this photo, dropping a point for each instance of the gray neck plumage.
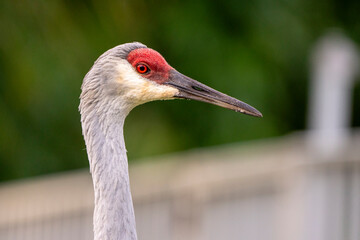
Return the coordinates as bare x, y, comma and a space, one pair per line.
114, 213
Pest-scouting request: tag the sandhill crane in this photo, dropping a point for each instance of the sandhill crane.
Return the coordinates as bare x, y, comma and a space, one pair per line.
120, 79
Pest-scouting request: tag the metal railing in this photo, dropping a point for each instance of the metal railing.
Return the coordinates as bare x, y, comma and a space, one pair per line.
275, 190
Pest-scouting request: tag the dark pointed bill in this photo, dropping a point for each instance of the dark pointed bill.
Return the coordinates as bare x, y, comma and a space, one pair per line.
192, 89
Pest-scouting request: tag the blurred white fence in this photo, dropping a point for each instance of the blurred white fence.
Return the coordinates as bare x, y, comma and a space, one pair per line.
334, 67
268, 190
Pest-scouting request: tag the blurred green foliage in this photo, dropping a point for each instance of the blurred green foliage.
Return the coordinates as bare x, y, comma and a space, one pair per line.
254, 50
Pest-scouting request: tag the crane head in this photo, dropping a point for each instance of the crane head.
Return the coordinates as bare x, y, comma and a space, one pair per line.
138, 74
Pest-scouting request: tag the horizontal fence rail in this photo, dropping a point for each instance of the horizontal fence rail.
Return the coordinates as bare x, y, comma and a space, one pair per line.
269, 190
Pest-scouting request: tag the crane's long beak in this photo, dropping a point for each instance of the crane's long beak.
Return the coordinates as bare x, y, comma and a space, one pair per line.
192, 89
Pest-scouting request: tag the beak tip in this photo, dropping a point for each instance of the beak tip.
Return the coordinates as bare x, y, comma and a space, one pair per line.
252, 112
259, 114
256, 114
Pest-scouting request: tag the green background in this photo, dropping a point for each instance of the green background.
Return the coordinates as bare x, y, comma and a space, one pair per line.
257, 51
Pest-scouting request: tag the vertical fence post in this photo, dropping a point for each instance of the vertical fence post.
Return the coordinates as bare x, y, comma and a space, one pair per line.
334, 64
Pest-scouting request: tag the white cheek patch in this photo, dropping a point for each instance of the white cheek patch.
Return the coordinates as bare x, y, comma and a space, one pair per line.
137, 89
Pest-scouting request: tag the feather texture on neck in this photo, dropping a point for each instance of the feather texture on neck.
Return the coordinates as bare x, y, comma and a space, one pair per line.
114, 213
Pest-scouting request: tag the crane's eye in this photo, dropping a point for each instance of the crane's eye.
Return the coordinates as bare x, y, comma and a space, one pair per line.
142, 69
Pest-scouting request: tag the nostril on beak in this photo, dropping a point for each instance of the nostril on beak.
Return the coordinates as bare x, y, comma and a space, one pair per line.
198, 89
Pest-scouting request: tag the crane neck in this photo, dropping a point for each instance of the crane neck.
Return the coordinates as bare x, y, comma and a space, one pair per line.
114, 217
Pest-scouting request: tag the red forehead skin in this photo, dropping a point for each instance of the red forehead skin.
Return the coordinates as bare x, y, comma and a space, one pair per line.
159, 68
